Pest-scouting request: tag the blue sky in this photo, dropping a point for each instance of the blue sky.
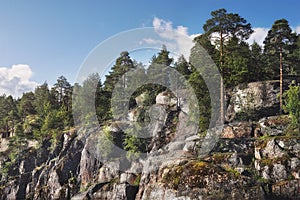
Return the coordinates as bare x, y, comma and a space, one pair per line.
52, 38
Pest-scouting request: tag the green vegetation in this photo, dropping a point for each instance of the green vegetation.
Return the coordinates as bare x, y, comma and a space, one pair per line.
105, 141
47, 112
292, 105
132, 143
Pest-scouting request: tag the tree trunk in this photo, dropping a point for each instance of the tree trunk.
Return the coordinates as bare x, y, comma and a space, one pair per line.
222, 114
280, 82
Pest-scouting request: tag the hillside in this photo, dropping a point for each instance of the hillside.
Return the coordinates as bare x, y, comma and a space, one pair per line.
220, 123
253, 159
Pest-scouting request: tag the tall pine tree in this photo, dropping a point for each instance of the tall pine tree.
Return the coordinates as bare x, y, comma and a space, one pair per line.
220, 28
280, 42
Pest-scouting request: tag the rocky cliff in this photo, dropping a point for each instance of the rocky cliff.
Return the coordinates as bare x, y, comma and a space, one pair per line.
256, 156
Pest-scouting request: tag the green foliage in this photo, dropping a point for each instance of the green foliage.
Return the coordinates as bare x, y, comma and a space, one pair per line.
105, 142
132, 143
257, 66
88, 98
224, 25
158, 71
183, 67
236, 63
123, 64
62, 93
47, 112
232, 171
26, 106
292, 105
204, 103
280, 39
42, 100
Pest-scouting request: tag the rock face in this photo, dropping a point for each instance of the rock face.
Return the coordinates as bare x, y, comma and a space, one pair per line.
251, 159
253, 101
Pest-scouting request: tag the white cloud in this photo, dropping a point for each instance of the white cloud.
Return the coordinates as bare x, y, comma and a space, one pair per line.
297, 29
16, 80
179, 34
258, 35
184, 41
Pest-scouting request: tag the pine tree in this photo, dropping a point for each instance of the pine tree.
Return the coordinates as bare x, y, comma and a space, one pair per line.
158, 71
279, 42
25, 105
236, 69
123, 64
42, 100
63, 92
220, 28
257, 68
183, 67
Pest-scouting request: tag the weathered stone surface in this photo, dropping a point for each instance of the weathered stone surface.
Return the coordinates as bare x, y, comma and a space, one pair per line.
272, 149
235, 166
279, 172
108, 171
141, 99
165, 98
237, 130
253, 101
272, 126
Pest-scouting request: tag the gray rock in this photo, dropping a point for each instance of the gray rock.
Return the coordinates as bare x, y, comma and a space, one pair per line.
279, 172
109, 171
255, 100
266, 173
257, 153
160, 193
294, 163
164, 98
273, 150
272, 126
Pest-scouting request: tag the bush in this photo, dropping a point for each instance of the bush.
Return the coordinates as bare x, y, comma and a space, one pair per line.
292, 105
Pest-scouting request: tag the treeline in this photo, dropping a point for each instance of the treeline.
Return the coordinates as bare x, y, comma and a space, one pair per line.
47, 111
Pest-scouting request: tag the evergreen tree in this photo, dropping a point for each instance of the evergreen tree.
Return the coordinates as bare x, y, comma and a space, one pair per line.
295, 58
90, 98
158, 71
3, 113
292, 105
42, 100
63, 92
201, 91
183, 67
280, 42
220, 28
25, 105
235, 69
204, 40
123, 64
257, 68
8, 115
12, 116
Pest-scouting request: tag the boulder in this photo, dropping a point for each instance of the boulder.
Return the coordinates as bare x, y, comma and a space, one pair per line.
165, 98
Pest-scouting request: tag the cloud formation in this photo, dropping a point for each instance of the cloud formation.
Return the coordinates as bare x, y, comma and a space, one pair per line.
258, 35
16, 80
184, 41
297, 29
179, 39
